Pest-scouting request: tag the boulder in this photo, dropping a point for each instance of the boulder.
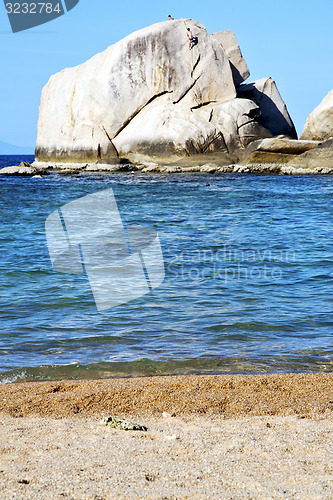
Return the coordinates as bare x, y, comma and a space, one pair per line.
318, 160
227, 39
274, 113
238, 120
274, 150
284, 145
319, 124
23, 169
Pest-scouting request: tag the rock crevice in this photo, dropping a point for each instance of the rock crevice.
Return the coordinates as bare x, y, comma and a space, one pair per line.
130, 118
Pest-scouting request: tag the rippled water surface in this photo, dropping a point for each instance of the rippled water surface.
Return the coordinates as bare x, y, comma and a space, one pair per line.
248, 278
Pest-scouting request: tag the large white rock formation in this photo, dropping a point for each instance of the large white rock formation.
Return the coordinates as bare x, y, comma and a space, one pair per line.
319, 124
149, 95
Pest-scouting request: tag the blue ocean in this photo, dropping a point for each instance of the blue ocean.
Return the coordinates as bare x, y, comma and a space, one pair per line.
248, 284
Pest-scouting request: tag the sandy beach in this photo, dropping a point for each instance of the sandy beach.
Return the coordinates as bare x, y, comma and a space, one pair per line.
224, 436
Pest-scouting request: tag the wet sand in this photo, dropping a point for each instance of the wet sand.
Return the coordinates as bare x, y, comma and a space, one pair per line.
226, 436
225, 395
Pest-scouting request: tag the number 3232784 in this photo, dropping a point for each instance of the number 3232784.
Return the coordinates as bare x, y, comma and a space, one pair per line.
32, 8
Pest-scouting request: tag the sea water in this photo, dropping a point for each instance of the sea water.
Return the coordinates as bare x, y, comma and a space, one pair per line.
248, 278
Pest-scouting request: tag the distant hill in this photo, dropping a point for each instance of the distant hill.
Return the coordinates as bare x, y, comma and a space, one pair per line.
10, 149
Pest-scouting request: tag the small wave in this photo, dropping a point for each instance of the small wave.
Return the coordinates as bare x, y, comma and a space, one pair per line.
242, 364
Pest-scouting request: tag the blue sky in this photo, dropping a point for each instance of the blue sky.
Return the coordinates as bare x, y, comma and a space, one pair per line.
291, 41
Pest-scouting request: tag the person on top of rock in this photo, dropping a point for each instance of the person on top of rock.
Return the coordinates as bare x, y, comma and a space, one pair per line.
192, 40
170, 18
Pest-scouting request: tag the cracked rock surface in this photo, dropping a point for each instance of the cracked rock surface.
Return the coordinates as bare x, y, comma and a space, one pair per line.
150, 96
